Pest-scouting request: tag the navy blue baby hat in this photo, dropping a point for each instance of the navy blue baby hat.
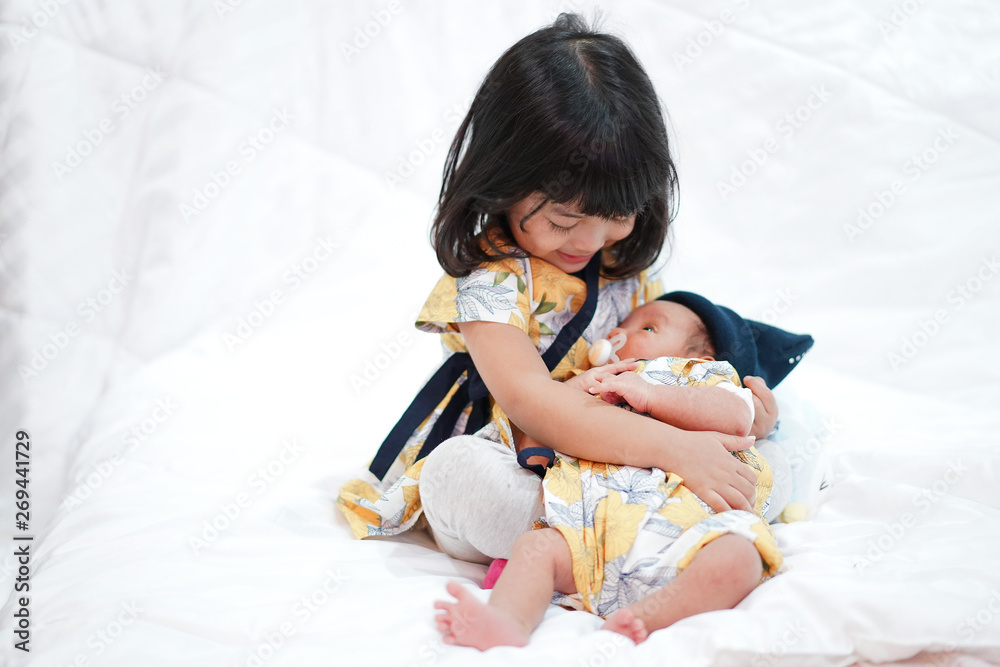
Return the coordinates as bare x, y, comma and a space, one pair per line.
753, 348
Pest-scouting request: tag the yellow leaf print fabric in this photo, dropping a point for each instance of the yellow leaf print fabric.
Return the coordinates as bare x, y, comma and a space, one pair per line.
631, 530
526, 293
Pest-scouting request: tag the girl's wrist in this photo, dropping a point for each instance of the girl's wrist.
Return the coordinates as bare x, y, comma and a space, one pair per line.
672, 443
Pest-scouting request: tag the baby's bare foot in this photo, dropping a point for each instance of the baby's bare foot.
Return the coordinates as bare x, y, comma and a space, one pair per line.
624, 622
469, 622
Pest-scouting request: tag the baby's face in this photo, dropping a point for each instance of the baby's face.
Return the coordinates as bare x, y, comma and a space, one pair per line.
657, 329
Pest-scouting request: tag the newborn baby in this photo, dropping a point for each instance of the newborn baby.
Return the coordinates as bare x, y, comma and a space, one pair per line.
634, 544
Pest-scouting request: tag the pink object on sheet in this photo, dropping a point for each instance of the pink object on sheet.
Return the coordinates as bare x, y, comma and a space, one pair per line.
492, 574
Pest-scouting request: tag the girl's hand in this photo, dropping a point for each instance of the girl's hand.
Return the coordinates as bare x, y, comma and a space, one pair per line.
713, 474
627, 387
587, 379
765, 408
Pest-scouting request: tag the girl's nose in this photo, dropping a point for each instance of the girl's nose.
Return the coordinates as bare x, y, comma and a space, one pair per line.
591, 238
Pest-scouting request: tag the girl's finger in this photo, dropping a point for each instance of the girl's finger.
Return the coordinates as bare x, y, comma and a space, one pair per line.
619, 366
716, 502
738, 500
735, 443
748, 473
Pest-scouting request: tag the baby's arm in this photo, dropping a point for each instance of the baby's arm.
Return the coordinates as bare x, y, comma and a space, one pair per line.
692, 408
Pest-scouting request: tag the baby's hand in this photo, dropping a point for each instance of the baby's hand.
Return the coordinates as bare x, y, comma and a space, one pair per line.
627, 387
587, 379
765, 408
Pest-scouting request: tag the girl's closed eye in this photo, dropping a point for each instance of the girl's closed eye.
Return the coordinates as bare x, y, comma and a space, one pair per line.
559, 229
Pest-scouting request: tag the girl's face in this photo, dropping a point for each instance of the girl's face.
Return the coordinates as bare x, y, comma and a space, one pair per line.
561, 235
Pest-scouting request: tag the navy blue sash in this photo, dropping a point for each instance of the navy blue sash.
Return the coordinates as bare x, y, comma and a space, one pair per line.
474, 390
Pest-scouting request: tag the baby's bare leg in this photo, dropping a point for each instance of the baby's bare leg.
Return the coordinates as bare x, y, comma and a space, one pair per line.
719, 576
539, 564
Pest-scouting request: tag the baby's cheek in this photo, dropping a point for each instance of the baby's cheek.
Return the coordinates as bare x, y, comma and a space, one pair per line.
631, 350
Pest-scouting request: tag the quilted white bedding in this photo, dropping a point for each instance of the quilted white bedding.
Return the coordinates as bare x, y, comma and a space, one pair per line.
214, 243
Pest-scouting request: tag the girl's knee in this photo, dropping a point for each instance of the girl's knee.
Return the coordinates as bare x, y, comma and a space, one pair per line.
450, 473
473, 491
443, 489
447, 459
468, 471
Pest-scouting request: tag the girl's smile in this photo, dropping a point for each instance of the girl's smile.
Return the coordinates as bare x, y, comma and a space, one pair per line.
574, 259
560, 234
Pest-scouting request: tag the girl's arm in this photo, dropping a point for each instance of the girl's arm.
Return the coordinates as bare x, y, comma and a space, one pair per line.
689, 408
574, 423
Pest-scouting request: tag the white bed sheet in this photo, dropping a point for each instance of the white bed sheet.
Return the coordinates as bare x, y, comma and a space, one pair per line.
122, 316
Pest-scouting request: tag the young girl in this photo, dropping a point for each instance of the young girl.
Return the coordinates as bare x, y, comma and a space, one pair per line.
561, 165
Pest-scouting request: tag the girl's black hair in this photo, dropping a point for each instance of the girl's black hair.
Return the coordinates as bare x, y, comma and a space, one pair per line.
568, 112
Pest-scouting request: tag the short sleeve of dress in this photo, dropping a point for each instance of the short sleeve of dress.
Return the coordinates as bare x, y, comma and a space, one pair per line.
495, 293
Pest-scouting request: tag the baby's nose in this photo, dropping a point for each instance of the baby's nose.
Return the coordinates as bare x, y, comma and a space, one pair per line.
615, 332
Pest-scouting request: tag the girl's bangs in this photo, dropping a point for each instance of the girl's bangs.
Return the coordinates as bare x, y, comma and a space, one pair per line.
610, 184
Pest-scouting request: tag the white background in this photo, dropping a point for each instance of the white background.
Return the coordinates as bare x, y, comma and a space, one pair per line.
288, 128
